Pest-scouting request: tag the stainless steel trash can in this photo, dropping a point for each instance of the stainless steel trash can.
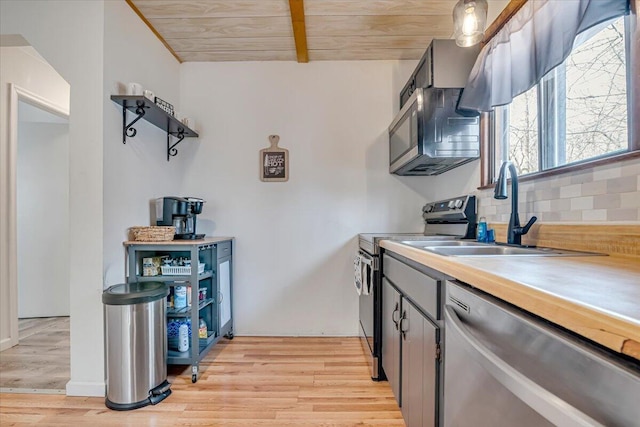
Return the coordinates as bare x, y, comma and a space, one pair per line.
136, 344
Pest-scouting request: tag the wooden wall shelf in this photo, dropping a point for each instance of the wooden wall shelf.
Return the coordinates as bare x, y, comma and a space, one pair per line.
146, 109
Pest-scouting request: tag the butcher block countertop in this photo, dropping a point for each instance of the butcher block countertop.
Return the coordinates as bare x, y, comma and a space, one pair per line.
597, 297
205, 241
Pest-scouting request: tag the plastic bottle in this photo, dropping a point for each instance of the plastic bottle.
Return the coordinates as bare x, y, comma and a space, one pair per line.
180, 297
183, 337
202, 329
482, 230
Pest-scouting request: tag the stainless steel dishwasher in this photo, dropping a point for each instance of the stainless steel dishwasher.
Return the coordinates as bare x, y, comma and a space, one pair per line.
505, 367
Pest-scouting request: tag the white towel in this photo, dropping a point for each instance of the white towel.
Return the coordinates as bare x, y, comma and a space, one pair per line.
357, 267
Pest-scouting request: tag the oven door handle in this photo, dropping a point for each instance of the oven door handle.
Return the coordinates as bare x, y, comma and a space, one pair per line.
365, 259
372, 262
547, 404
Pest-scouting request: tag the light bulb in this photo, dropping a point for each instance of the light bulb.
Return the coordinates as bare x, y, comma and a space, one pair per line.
470, 22
469, 19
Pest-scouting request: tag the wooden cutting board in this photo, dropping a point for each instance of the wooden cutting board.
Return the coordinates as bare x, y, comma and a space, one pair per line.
274, 162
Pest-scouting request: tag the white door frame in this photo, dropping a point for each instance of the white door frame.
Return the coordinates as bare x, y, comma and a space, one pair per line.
10, 250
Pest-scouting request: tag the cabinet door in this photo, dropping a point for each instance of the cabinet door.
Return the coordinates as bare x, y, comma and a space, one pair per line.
423, 71
430, 375
391, 336
406, 92
418, 367
224, 298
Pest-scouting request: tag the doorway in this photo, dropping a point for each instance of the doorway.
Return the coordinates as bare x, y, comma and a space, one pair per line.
42, 212
36, 354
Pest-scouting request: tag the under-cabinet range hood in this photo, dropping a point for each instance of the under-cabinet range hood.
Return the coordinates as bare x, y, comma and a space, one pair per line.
430, 135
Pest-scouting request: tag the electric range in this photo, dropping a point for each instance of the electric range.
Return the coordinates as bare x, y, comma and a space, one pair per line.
444, 220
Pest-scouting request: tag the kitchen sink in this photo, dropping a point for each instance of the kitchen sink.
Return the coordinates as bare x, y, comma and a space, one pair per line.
468, 248
430, 243
493, 250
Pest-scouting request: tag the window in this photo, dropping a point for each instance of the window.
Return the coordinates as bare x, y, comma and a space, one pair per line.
577, 112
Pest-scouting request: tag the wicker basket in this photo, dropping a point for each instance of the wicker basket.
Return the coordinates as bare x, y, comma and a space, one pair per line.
152, 234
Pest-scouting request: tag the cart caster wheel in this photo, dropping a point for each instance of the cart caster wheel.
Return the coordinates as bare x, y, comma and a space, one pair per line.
194, 378
229, 335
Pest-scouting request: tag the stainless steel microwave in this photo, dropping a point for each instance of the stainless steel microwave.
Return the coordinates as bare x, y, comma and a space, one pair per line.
430, 136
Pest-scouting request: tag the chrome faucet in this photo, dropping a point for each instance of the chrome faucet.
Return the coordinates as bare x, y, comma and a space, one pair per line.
515, 231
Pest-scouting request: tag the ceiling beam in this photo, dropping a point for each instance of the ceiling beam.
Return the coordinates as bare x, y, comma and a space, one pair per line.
296, 8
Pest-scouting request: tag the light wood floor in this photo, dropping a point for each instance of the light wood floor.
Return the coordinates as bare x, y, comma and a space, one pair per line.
249, 381
40, 361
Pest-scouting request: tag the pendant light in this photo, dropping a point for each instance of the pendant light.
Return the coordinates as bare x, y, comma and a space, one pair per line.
469, 20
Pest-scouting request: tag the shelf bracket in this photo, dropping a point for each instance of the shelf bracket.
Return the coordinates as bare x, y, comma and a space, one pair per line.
171, 149
127, 129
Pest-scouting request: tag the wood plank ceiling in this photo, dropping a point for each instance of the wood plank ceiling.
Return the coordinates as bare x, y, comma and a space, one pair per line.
262, 30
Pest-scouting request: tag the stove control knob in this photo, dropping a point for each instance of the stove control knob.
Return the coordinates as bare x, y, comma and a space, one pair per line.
451, 204
458, 203
428, 208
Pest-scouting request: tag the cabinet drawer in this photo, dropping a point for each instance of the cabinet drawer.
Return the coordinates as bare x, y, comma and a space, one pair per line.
418, 287
224, 249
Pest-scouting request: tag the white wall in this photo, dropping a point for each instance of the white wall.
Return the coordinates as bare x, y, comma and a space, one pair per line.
69, 35
138, 171
94, 45
24, 67
296, 240
43, 218
462, 180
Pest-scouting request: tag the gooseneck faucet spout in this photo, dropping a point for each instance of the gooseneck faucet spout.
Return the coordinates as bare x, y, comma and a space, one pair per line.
515, 231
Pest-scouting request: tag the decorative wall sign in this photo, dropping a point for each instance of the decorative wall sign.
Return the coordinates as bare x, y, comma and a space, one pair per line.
274, 162
168, 108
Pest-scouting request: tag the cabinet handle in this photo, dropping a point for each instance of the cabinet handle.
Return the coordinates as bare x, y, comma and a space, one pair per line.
404, 330
220, 297
393, 315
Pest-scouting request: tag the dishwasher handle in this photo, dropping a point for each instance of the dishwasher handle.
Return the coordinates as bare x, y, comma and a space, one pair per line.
547, 404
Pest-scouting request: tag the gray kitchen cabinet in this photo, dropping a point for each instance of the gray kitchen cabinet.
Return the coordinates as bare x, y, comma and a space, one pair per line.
419, 367
215, 254
411, 340
391, 336
434, 68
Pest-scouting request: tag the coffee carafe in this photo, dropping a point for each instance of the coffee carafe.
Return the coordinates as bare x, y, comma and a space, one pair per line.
179, 212
179, 224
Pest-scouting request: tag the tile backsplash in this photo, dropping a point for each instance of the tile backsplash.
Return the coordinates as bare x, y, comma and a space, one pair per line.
603, 193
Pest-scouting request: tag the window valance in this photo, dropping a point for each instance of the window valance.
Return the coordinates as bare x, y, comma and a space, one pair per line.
538, 38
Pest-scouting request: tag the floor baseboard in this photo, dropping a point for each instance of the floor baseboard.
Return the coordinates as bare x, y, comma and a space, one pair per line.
89, 389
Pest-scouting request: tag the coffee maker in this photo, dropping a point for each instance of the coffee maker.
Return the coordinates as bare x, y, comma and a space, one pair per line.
179, 212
